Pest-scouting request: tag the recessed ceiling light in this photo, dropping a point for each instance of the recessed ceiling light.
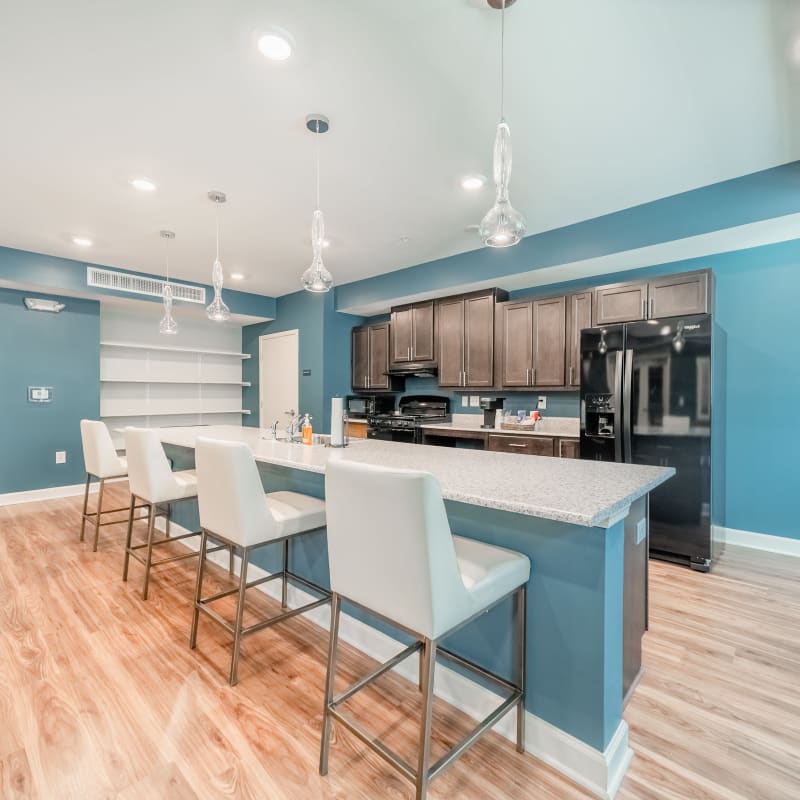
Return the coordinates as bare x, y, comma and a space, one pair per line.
326, 242
237, 276
81, 241
143, 184
473, 182
404, 239
472, 228
275, 45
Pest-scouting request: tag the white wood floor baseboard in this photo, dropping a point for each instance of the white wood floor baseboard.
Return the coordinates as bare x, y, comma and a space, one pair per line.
756, 541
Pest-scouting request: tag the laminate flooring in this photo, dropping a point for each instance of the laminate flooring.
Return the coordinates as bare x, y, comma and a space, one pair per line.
100, 696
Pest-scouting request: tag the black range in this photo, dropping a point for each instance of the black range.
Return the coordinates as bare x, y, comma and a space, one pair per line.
405, 423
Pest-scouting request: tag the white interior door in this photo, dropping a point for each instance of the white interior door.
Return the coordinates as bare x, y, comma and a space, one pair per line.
278, 377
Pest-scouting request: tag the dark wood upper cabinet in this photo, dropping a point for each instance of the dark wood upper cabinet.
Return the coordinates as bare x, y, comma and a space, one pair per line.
413, 333
620, 302
670, 296
465, 348
676, 295
517, 352
533, 341
369, 359
579, 316
359, 358
549, 341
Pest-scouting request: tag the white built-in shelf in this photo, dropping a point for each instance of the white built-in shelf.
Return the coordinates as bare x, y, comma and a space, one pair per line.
166, 348
190, 381
138, 412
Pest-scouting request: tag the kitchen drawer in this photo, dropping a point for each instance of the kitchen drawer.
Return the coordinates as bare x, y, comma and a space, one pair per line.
531, 445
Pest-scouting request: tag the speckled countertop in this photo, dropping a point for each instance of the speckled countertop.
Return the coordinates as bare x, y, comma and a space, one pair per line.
548, 426
563, 489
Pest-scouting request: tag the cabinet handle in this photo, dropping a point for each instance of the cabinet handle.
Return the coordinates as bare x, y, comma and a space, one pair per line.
644, 308
366, 380
533, 377
409, 354
650, 312
570, 376
511, 444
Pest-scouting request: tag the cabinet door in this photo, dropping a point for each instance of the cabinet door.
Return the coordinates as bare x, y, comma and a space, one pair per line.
422, 332
620, 302
479, 340
517, 339
531, 445
676, 295
401, 334
378, 356
579, 316
549, 341
569, 448
359, 357
451, 341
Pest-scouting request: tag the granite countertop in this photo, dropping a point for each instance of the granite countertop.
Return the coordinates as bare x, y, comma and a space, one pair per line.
590, 493
565, 427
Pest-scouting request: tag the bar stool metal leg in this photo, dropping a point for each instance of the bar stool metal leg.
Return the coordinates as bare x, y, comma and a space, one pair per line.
151, 525
198, 591
85, 505
128, 539
520, 614
97, 515
330, 682
284, 582
428, 657
237, 631
230, 562
168, 520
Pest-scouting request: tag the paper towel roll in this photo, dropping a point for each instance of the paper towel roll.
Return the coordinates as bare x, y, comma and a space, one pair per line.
337, 422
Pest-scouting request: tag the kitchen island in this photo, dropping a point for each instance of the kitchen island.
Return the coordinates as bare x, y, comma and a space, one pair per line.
578, 522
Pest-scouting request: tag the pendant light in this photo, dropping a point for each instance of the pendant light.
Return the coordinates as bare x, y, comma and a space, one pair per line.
217, 311
317, 278
503, 225
167, 324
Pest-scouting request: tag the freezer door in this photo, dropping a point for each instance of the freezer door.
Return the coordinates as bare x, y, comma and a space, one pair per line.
668, 423
601, 393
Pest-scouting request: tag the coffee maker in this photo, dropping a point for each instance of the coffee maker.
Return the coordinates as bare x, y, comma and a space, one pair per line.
490, 406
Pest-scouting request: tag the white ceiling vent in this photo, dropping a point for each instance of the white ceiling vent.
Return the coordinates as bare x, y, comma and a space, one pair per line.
136, 284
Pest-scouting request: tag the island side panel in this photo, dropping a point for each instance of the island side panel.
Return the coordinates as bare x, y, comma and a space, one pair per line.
575, 618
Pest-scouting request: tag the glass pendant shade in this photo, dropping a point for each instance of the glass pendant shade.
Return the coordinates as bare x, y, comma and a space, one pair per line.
317, 278
217, 310
503, 225
167, 324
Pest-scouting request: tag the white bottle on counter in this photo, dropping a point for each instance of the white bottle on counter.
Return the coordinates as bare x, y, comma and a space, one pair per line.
498, 419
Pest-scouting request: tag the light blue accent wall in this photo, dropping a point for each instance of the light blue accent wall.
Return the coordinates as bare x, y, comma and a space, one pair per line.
54, 274
324, 350
43, 349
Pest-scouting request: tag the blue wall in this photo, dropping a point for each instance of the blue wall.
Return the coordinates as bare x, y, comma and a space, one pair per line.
42, 349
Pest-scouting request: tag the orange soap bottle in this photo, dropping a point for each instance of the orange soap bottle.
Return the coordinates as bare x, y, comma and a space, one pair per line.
307, 430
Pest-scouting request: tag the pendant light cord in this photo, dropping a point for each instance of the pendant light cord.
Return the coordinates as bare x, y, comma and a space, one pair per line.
318, 162
166, 255
502, 61
217, 204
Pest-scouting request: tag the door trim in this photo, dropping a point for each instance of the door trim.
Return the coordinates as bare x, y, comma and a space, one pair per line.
295, 333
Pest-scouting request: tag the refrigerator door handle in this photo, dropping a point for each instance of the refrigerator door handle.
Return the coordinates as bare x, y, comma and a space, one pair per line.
618, 405
627, 414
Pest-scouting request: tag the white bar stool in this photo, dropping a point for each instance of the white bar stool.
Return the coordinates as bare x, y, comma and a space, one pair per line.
408, 569
103, 463
235, 509
153, 481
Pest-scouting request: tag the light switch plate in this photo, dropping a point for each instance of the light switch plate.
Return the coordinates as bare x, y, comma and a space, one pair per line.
61, 456
641, 530
40, 394
542, 405
464, 401
475, 400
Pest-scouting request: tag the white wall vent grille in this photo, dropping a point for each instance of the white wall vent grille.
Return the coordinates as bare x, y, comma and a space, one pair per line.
136, 284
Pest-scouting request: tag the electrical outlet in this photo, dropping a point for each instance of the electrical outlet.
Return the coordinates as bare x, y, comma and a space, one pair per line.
542, 405
641, 530
475, 400
61, 456
464, 401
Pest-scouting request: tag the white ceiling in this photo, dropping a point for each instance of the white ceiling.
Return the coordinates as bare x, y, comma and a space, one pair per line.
610, 104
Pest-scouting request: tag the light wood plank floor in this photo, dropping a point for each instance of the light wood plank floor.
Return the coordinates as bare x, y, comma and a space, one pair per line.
100, 696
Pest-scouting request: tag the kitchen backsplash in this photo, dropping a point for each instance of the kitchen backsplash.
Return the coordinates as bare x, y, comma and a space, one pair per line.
559, 404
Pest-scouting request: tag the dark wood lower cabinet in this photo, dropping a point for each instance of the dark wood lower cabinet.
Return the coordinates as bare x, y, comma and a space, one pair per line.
531, 445
569, 448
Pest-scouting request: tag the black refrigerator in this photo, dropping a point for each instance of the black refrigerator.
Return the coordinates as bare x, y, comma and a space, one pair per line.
646, 399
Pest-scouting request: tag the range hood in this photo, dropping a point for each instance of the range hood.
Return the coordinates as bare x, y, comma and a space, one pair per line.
422, 369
